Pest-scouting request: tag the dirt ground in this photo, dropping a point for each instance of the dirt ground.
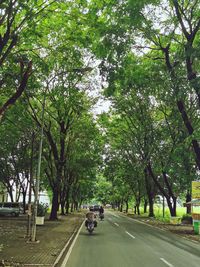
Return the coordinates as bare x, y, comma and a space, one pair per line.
184, 230
52, 236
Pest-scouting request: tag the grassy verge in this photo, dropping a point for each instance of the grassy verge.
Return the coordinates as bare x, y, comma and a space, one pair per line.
158, 211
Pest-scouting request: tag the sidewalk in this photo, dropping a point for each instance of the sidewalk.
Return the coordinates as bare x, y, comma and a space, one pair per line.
53, 235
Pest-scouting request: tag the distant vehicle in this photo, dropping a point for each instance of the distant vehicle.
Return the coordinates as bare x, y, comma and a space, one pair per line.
108, 206
10, 208
94, 208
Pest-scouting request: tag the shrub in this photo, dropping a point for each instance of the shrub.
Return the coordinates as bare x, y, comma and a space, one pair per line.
42, 209
187, 218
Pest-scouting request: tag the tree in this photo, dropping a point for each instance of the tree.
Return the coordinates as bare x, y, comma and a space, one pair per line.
16, 68
17, 156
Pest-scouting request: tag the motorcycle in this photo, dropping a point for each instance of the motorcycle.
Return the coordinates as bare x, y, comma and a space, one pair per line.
90, 227
101, 216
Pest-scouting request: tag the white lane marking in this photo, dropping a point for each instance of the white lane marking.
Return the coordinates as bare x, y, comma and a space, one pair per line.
130, 235
166, 262
138, 221
71, 247
116, 224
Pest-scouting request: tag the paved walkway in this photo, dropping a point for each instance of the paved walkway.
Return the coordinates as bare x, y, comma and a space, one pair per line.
53, 235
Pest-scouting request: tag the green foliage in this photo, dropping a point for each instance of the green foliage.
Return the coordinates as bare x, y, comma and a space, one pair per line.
103, 190
42, 209
141, 54
187, 217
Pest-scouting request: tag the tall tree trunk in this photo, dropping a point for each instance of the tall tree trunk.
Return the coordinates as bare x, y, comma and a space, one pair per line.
62, 205
190, 129
67, 202
170, 196
54, 208
10, 192
121, 206
67, 206
150, 192
135, 209
145, 205
80, 203
19, 90
151, 209
188, 199
24, 201
126, 206
190, 34
180, 103
62, 200
72, 206
172, 207
76, 205
138, 208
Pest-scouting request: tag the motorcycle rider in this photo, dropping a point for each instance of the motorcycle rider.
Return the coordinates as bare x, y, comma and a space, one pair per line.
91, 217
101, 210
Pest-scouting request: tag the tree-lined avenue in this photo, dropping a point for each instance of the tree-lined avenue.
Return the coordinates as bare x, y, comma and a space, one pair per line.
120, 241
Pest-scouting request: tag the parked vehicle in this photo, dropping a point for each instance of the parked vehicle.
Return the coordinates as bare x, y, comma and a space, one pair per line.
10, 208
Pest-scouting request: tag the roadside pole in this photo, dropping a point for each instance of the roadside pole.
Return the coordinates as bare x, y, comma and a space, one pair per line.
28, 234
33, 236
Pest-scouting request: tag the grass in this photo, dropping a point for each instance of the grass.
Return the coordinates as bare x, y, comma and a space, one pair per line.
158, 211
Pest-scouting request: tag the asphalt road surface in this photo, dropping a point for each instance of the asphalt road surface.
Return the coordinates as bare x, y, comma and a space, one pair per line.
119, 241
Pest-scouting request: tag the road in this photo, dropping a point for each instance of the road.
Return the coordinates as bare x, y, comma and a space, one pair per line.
119, 241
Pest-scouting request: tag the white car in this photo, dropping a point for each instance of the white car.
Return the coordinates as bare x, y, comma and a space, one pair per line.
10, 208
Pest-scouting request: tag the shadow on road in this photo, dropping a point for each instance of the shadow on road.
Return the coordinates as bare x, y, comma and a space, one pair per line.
92, 234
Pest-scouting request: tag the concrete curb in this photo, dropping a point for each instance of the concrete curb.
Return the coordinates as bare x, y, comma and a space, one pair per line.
67, 245
65, 260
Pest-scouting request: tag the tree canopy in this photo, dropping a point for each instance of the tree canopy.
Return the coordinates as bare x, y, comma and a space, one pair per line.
57, 58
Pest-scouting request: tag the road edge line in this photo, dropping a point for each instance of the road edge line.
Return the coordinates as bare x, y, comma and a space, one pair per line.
67, 244
71, 247
161, 229
141, 222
